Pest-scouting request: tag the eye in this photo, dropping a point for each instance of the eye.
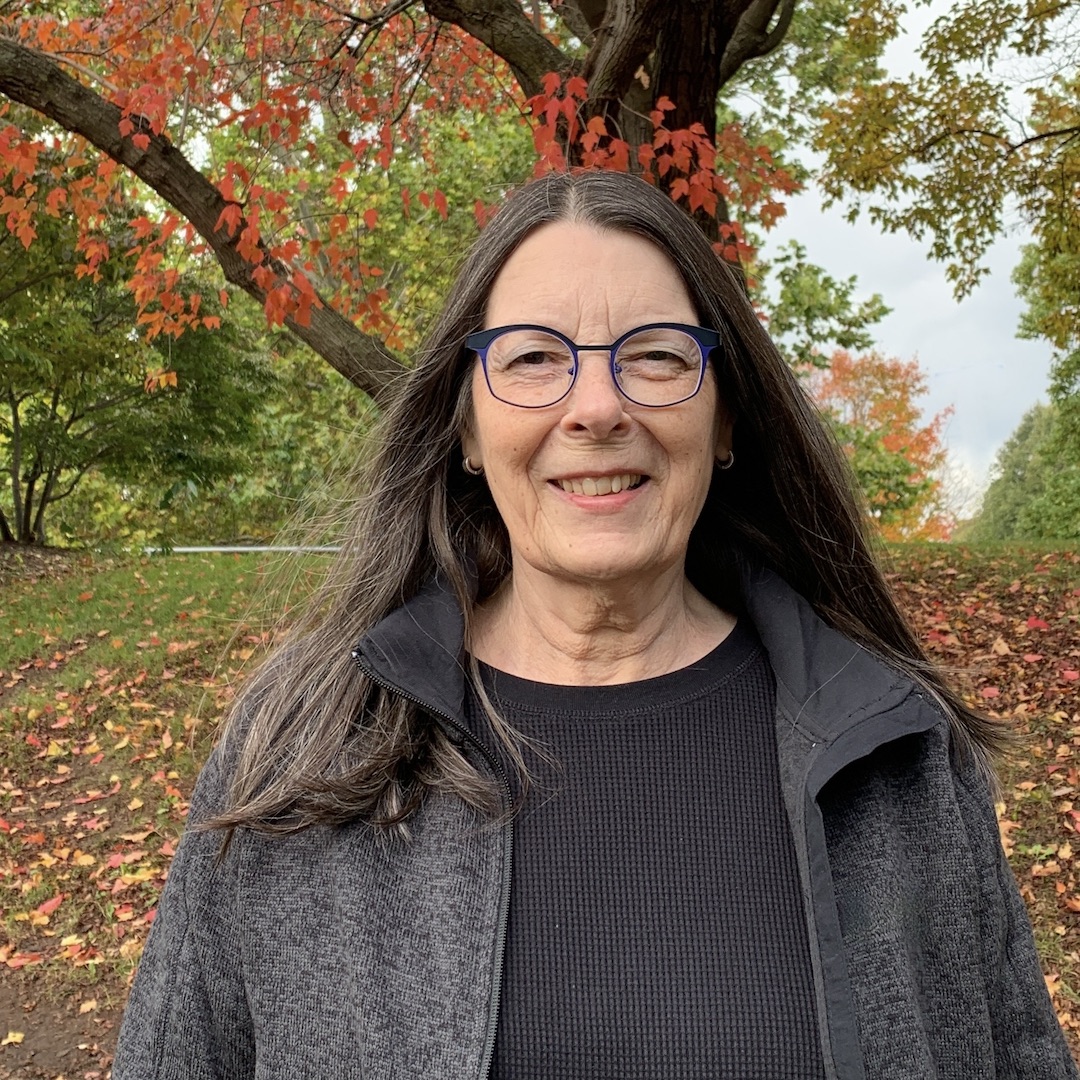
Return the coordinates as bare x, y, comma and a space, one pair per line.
532, 352
658, 360
534, 358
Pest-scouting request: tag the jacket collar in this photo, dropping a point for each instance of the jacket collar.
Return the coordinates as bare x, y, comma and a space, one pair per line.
828, 688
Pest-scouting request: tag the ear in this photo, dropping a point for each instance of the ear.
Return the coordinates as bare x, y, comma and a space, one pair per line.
725, 425
469, 448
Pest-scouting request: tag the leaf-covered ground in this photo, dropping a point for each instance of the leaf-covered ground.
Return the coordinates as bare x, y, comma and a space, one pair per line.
113, 676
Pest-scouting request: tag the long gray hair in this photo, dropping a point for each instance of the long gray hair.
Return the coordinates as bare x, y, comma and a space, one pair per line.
318, 742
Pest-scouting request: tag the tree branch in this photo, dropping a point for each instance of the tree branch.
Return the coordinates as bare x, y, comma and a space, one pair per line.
576, 16
760, 29
29, 283
32, 79
503, 27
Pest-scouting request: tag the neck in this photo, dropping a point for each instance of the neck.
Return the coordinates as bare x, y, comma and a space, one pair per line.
553, 630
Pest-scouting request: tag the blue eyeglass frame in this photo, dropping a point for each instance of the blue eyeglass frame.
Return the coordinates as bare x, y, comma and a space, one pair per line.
707, 340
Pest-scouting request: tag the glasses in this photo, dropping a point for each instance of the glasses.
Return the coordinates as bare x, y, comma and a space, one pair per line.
534, 366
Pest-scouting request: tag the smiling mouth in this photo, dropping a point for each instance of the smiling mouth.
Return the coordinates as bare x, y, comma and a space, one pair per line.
601, 485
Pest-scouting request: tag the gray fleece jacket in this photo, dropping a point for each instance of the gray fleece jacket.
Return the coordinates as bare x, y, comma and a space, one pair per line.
335, 955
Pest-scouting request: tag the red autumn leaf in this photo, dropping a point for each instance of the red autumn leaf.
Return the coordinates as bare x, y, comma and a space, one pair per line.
1071, 676
1032, 657
49, 906
1035, 623
989, 691
20, 960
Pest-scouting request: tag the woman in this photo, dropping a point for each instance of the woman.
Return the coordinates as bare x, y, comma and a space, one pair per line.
751, 828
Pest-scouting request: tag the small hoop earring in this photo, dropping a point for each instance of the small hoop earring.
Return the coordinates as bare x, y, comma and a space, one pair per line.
470, 468
726, 464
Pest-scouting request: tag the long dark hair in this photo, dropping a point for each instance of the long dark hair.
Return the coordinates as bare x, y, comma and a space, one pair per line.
317, 742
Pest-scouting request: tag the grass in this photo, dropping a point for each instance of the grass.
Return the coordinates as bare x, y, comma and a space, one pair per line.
114, 674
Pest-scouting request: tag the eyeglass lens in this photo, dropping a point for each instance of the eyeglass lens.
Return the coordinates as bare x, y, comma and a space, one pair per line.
657, 366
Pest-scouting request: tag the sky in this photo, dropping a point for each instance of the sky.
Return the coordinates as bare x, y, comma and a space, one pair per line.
968, 350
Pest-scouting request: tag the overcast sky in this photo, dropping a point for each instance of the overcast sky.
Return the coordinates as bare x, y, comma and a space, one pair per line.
968, 350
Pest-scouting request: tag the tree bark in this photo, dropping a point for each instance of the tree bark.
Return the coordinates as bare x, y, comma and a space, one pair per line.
505, 29
38, 530
16, 460
32, 79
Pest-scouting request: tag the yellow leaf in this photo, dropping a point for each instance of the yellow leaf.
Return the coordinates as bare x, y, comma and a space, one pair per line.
135, 804
15, 1037
55, 749
88, 1006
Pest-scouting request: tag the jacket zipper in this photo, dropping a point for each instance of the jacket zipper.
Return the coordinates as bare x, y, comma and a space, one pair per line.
508, 832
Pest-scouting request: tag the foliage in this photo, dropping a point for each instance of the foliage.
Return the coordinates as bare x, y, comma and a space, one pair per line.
813, 312
306, 429
1048, 279
988, 122
304, 119
1034, 492
75, 385
79, 391
870, 401
987, 130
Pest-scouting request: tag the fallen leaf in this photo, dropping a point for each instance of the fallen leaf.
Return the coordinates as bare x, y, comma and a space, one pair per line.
12, 1038
49, 906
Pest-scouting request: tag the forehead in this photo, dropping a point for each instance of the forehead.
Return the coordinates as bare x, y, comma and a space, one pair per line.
576, 277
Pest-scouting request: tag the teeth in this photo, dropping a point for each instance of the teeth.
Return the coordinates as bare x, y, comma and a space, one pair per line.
601, 485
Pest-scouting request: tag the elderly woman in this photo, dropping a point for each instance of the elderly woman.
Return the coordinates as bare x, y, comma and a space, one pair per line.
605, 753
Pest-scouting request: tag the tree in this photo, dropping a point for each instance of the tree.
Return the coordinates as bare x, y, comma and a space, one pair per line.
987, 132
870, 401
1034, 492
80, 391
258, 124
812, 311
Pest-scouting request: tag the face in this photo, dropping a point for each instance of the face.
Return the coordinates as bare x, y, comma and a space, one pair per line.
547, 468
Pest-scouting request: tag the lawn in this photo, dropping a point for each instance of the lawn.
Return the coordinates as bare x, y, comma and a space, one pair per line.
114, 674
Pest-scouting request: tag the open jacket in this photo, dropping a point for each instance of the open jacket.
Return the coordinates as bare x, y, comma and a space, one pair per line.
337, 954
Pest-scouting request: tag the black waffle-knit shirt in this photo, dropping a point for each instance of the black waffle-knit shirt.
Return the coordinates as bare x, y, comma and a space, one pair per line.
656, 929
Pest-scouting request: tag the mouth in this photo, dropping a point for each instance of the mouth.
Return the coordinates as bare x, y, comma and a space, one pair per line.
601, 485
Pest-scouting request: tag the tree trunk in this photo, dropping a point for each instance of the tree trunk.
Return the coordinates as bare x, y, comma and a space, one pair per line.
38, 529
16, 462
25, 523
6, 535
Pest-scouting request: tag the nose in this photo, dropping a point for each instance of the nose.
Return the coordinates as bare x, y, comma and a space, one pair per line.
595, 404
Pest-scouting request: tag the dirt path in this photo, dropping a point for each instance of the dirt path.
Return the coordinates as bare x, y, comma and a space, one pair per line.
58, 1041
